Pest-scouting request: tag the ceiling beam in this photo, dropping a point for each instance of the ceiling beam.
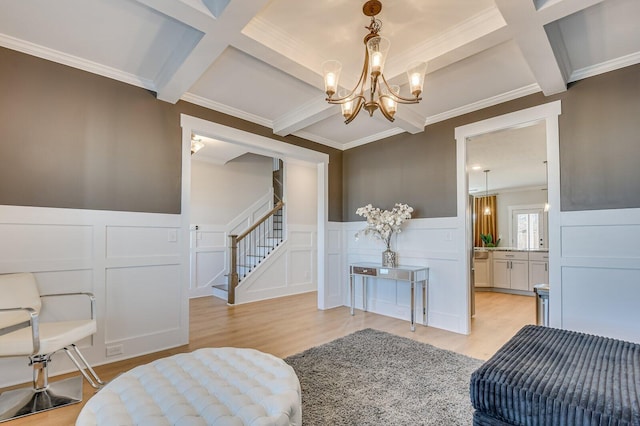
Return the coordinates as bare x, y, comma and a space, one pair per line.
217, 36
409, 120
182, 12
310, 113
536, 48
553, 11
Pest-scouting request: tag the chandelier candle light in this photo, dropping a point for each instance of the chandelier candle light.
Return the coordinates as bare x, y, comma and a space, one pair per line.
382, 95
381, 224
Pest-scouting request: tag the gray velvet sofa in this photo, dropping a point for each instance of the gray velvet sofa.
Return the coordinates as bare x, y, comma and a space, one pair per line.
547, 376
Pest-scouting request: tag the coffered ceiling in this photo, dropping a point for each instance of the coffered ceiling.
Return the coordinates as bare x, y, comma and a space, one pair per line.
260, 60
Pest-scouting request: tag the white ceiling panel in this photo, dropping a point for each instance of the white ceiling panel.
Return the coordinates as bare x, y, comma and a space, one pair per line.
493, 72
240, 81
363, 126
335, 29
121, 34
601, 33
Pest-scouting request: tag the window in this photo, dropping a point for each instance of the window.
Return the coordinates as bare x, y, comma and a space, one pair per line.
528, 228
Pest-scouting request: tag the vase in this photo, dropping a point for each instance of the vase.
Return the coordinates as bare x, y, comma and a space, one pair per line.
389, 259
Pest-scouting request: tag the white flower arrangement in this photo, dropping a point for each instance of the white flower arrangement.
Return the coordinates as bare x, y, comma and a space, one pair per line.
383, 223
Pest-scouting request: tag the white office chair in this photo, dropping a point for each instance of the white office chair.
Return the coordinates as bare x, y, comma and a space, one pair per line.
23, 334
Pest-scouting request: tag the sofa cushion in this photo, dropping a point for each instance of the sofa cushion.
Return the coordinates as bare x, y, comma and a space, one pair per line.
547, 376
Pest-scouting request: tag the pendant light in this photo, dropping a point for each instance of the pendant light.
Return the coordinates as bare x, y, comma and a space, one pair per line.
487, 209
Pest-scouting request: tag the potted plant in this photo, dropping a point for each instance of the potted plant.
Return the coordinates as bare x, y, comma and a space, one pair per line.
487, 240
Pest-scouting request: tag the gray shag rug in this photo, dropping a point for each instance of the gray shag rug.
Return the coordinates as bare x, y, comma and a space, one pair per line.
372, 377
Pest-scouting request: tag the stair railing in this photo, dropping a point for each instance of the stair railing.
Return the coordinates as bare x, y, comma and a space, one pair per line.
252, 246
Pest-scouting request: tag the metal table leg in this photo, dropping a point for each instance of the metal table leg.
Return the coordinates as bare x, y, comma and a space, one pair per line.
364, 293
424, 302
413, 306
353, 296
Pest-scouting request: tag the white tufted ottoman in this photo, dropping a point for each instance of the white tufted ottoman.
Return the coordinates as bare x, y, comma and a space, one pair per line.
213, 386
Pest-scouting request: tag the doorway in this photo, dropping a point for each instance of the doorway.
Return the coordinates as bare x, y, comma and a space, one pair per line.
548, 114
270, 148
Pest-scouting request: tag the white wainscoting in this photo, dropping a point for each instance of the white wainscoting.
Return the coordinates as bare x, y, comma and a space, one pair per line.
599, 272
134, 263
595, 281
336, 291
423, 242
209, 246
290, 269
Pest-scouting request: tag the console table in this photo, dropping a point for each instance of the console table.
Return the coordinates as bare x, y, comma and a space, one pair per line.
413, 274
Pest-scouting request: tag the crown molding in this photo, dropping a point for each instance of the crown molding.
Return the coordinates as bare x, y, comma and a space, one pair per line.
75, 62
467, 31
612, 65
273, 37
375, 137
310, 112
319, 139
225, 109
484, 103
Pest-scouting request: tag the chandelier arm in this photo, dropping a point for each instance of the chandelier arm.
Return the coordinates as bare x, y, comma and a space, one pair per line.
401, 100
398, 98
383, 109
360, 84
374, 87
356, 111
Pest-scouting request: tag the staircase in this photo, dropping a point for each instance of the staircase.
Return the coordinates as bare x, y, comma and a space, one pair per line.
253, 246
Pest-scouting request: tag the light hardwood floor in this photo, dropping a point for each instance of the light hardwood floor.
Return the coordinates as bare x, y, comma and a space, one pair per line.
289, 325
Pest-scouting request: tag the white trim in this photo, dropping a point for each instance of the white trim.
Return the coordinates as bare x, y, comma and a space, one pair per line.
225, 109
319, 139
263, 145
375, 137
464, 33
321, 235
548, 112
484, 103
75, 62
603, 67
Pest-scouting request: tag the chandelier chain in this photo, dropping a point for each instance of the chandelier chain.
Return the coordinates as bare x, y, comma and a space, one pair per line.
375, 26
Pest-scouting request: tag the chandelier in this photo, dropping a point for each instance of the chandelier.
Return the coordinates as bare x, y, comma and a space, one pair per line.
382, 95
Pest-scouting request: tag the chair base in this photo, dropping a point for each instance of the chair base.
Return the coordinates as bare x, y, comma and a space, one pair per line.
26, 401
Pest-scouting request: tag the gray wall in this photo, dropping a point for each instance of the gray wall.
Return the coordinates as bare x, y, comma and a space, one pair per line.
600, 142
411, 169
72, 139
599, 152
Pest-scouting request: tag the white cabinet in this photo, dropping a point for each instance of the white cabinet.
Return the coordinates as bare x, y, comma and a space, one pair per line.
511, 270
482, 269
538, 269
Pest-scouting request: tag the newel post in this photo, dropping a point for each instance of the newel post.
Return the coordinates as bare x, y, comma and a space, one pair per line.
233, 270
